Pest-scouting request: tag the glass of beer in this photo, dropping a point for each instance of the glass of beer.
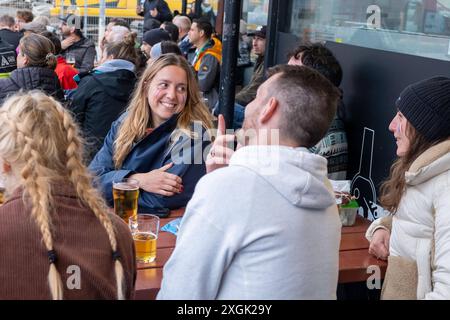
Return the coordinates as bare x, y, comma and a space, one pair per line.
70, 59
144, 229
126, 194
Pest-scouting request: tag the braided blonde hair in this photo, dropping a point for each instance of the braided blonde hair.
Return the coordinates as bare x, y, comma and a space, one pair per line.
39, 137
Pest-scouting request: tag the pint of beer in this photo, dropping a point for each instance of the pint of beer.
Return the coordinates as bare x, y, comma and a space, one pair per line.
125, 194
144, 229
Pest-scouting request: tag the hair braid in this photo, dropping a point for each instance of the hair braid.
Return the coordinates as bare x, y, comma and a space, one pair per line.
82, 182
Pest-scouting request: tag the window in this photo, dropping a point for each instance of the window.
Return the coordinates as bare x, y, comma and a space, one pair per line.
417, 27
255, 13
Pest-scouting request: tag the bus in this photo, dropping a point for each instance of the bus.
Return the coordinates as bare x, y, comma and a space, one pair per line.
113, 8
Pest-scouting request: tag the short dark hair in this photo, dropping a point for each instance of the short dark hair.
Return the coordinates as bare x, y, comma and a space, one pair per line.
308, 101
7, 20
120, 22
321, 59
172, 29
25, 14
53, 38
205, 25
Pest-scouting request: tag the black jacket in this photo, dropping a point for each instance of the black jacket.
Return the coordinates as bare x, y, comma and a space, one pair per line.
11, 37
30, 78
7, 58
98, 101
84, 52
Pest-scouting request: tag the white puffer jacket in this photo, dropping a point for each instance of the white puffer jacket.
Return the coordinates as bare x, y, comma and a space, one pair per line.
421, 226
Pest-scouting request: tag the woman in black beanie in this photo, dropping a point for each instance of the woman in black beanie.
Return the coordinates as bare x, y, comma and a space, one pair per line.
415, 238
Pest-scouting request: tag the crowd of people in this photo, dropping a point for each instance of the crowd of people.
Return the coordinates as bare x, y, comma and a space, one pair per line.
71, 124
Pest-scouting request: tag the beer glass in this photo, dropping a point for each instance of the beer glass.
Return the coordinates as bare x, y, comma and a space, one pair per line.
126, 194
144, 229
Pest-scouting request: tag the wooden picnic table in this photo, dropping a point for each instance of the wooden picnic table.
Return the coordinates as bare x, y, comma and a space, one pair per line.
354, 258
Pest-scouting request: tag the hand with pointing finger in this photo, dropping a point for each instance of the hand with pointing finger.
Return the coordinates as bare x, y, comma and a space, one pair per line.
159, 181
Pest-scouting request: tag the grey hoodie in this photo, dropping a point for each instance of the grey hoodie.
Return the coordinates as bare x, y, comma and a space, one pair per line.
266, 227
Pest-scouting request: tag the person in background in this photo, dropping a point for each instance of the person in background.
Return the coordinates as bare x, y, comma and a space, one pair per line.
151, 24
164, 47
51, 198
171, 29
76, 44
46, 22
334, 145
415, 238
207, 60
280, 240
207, 12
248, 93
63, 70
7, 32
245, 46
184, 25
36, 64
22, 17
154, 9
161, 138
104, 93
151, 38
33, 27
113, 22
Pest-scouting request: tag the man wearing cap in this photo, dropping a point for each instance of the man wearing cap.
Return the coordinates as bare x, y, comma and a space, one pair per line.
76, 44
248, 93
151, 38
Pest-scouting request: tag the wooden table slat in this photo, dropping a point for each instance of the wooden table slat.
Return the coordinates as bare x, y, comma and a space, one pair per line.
360, 225
353, 241
353, 265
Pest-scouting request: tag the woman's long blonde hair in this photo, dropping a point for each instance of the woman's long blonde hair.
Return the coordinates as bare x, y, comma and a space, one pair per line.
39, 138
139, 118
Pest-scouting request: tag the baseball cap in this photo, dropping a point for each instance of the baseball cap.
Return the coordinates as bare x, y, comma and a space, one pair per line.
260, 32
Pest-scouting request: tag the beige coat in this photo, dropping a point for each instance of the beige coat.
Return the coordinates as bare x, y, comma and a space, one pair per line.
419, 262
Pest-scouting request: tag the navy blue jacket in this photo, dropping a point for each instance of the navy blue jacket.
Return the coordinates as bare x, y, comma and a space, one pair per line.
150, 153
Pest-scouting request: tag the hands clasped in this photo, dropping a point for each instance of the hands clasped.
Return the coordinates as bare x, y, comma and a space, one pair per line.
159, 181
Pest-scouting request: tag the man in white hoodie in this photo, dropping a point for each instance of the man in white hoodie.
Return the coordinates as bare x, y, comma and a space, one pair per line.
266, 226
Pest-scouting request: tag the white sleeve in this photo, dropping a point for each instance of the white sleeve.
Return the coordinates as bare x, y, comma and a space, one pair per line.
381, 223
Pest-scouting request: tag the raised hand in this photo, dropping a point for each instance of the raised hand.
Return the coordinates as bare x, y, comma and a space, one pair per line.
220, 153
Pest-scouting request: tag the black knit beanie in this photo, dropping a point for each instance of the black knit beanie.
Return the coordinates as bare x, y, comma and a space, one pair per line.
426, 105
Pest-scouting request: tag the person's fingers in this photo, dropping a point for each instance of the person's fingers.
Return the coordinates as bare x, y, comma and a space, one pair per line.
226, 140
166, 193
166, 167
221, 128
220, 155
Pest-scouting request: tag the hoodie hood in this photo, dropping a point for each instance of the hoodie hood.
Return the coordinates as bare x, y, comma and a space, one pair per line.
115, 64
295, 173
